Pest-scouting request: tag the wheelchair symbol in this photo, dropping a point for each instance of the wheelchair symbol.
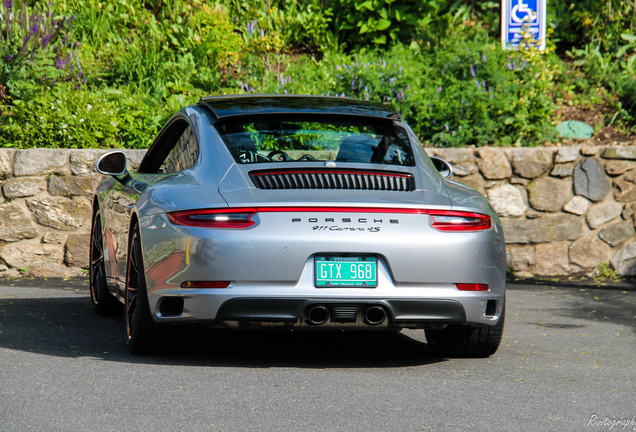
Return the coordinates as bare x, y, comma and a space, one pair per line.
528, 15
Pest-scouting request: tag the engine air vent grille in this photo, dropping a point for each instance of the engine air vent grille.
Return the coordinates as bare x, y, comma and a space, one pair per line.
333, 179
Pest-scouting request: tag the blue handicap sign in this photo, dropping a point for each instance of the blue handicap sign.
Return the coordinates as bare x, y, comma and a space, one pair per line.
519, 14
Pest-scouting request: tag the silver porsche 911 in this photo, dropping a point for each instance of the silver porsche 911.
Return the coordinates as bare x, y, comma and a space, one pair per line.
296, 212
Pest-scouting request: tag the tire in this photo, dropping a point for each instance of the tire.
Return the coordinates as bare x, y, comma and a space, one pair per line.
143, 335
104, 303
465, 340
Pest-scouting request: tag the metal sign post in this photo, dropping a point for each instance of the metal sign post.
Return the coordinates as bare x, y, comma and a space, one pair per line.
519, 15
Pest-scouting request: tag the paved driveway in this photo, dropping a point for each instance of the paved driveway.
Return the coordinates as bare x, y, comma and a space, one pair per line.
567, 363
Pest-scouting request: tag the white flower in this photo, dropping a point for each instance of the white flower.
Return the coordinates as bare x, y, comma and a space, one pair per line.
81, 120
89, 107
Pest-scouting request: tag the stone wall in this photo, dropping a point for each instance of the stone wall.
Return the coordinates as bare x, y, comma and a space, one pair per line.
45, 210
564, 210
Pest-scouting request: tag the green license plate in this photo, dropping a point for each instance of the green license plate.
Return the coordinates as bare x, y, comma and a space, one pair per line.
346, 271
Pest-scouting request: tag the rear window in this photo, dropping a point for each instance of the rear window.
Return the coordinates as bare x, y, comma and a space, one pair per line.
272, 139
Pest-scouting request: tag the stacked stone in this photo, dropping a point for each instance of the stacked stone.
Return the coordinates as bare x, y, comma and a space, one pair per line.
564, 210
45, 210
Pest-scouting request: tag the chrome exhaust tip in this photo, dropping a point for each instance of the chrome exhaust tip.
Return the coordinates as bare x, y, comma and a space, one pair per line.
317, 315
374, 315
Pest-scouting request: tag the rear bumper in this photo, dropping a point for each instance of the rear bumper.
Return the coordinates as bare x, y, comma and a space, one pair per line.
399, 311
423, 306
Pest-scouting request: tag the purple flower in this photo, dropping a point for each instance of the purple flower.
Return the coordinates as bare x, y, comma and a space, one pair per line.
8, 4
483, 57
391, 81
9, 57
353, 83
446, 126
439, 89
45, 41
250, 27
472, 71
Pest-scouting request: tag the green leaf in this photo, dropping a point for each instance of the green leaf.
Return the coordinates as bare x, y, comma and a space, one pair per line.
628, 37
380, 40
367, 5
383, 24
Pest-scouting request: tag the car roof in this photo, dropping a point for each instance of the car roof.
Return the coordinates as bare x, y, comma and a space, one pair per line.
250, 104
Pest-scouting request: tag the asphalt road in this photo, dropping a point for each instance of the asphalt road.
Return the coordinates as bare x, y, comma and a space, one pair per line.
567, 363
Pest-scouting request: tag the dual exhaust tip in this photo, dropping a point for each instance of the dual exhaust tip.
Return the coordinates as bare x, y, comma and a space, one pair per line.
319, 315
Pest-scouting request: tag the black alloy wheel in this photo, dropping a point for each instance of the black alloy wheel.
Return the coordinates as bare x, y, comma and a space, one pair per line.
466, 341
143, 335
104, 303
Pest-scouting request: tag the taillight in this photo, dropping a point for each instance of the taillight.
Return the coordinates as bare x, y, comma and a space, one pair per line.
472, 287
450, 220
214, 218
205, 284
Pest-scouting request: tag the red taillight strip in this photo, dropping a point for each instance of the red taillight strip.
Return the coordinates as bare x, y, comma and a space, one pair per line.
242, 217
225, 218
473, 221
205, 284
343, 209
472, 287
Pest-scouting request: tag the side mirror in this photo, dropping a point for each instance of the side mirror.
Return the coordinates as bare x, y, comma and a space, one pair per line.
444, 168
113, 164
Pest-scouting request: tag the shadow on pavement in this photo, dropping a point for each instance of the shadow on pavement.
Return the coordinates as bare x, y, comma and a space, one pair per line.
68, 327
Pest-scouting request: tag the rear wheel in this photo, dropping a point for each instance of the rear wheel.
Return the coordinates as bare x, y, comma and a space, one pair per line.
466, 341
103, 301
143, 335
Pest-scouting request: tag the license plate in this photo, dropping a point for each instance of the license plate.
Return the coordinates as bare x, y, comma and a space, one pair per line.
346, 271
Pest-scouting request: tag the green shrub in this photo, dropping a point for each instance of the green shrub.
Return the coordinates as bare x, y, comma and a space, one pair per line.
468, 93
438, 62
35, 45
67, 117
